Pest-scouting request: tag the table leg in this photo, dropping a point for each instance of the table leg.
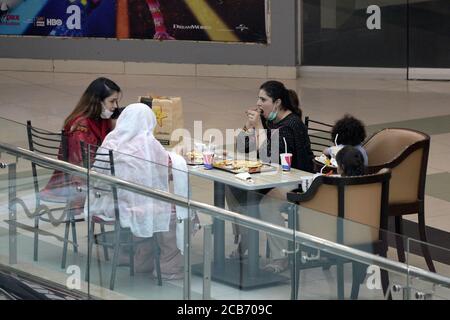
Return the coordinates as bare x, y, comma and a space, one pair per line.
219, 228
253, 236
292, 247
243, 274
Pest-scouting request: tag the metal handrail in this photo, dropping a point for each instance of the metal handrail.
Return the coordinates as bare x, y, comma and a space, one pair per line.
253, 223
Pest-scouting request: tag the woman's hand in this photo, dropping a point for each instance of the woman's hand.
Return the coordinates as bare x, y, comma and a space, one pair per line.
254, 119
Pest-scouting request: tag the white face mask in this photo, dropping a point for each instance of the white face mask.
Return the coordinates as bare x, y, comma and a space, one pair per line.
106, 114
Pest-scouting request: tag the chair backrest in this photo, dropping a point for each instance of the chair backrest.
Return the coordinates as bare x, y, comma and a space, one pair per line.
405, 152
99, 155
49, 144
319, 134
349, 210
104, 163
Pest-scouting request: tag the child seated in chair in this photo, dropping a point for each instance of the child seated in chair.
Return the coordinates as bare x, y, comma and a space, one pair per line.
350, 163
348, 131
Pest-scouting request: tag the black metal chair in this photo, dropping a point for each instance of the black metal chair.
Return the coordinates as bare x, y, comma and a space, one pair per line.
118, 237
319, 134
53, 144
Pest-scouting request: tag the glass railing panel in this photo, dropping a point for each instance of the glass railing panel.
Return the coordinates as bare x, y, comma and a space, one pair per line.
41, 229
13, 132
316, 272
137, 229
228, 278
317, 277
428, 257
230, 259
240, 267
17, 134
330, 273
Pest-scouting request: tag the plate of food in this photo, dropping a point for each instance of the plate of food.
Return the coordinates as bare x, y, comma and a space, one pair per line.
194, 157
323, 159
239, 166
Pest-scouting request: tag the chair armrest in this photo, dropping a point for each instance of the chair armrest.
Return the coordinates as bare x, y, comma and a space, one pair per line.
298, 196
298, 190
375, 169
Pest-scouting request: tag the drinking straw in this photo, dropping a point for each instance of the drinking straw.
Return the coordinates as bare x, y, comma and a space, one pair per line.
285, 145
210, 141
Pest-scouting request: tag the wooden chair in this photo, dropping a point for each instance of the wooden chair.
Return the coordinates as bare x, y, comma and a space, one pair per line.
405, 152
348, 210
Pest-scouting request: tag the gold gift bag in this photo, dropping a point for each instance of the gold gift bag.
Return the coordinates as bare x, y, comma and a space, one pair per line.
169, 117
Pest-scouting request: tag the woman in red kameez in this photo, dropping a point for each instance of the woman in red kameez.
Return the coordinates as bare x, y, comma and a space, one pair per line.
89, 122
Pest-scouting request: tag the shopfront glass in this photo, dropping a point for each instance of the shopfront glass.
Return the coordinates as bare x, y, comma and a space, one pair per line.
376, 33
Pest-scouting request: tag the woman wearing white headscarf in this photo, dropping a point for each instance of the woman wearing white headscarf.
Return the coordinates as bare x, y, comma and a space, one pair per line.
141, 159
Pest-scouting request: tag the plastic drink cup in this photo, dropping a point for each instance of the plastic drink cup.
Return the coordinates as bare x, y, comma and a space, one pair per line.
208, 158
286, 161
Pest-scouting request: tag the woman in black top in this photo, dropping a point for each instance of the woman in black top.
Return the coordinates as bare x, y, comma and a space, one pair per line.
277, 111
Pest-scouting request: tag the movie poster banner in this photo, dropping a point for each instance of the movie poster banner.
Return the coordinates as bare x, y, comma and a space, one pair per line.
200, 20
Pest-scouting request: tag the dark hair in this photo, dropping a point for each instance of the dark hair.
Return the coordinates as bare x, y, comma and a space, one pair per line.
350, 131
289, 98
90, 104
351, 161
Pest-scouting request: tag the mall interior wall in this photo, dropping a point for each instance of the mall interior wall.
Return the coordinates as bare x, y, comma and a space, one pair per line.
275, 60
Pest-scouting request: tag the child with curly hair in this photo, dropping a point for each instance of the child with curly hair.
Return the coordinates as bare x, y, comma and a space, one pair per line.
348, 131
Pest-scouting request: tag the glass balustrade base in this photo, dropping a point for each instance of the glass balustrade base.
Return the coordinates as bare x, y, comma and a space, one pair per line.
235, 274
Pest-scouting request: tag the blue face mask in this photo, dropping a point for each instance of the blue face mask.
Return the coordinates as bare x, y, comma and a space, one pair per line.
272, 116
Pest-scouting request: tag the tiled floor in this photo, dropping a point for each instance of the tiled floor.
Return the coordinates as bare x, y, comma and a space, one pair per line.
46, 98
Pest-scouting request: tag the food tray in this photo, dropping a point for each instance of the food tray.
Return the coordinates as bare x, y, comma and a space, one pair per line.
223, 165
189, 162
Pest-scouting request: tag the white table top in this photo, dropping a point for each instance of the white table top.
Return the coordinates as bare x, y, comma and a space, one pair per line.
264, 180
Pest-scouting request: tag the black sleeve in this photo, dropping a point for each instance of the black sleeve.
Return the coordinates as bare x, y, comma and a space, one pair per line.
298, 144
305, 154
288, 134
